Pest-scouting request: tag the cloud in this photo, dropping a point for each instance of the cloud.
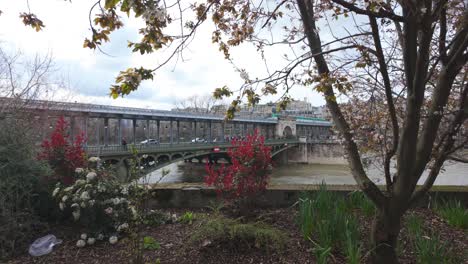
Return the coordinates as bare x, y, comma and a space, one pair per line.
90, 73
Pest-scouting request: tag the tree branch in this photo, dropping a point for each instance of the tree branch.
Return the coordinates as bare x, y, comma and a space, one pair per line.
382, 13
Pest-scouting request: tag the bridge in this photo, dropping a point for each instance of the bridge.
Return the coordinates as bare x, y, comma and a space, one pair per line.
153, 157
107, 125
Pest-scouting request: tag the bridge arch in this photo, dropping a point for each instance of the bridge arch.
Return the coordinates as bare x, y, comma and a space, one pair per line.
287, 132
176, 156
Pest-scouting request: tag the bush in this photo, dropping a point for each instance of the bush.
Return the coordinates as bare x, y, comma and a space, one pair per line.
63, 153
219, 229
20, 179
99, 202
249, 172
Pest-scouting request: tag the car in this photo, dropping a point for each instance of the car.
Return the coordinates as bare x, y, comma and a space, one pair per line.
150, 142
198, 140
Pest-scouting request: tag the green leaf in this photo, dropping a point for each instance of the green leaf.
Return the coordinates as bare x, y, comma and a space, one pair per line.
110, 4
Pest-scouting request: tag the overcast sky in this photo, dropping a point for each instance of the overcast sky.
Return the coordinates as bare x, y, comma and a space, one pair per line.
89, 73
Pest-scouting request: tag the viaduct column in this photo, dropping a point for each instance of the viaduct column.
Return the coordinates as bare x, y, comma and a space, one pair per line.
119, 131
147, 129
209, 131
158, 124
171, 132
85, 129
106, 131
222, 131
134, 131
178, 131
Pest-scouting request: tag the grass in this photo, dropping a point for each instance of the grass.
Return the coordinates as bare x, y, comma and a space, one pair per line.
359, 200
453, 212
259, 235
431, 250
326, 215
414, 224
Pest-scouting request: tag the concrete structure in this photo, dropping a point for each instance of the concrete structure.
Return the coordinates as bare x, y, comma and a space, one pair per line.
107, 125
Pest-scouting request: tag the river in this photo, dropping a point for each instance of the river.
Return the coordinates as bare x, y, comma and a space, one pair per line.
453, 174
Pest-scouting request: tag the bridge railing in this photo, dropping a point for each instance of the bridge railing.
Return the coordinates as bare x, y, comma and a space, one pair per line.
164, 147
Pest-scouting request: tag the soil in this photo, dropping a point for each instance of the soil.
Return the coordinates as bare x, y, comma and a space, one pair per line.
177, 248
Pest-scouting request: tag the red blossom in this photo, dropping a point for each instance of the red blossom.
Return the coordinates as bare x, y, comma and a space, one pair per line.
249, 172
63, 154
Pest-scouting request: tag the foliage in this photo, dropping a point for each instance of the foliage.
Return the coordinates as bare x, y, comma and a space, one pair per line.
150, 243
154, 218
63, 153
325, 220
187, 218
431, 250
20, 182
219, 229
99, 202
414, 224
248, 174
453, 212
357, 199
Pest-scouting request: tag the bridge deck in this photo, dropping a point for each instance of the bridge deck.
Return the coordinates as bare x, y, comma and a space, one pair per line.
117, 150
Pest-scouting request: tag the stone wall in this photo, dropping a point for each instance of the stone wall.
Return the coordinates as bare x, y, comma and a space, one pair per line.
314, 153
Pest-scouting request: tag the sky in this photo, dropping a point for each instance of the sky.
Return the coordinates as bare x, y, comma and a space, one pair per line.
88, 74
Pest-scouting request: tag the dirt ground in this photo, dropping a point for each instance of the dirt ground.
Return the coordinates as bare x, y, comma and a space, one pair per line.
177, 248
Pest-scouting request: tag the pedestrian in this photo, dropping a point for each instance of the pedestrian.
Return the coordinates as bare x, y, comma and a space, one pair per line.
124, 143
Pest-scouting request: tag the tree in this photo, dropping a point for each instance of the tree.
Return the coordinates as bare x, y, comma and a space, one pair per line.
198, 104
409, 55
63, 153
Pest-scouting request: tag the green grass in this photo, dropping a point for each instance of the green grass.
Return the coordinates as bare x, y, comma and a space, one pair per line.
453, 212
259, 235
358, 200
431, 250
414, 224
325, 219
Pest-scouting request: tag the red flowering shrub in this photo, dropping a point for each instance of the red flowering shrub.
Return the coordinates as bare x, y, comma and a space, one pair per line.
63, 153
249, 172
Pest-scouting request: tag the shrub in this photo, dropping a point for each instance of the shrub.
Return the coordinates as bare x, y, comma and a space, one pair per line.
20, 178
63, 153
249, 172
220, 229
99, 202
453, 212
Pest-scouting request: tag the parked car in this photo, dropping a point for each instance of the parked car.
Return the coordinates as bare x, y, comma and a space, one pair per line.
199, 140
150, 142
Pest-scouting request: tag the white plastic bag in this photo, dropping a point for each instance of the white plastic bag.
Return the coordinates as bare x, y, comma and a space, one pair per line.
43, 245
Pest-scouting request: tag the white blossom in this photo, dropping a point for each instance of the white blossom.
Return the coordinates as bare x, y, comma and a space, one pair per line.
68, 189
92, 202
244, 75
91, 176
122, 227
113, 239
94, 159
109, 210
80, 243
76, 215
55, 192
100, 237
80, 182
85, 196
124, 190
61, 206
75, 206
64, 198
91, 241
84, 236
79, 170
83, 205
116, 201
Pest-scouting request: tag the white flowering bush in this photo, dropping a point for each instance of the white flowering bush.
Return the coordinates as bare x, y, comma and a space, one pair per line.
99, 203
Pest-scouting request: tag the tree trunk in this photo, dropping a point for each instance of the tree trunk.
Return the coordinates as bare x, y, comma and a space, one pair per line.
384, 237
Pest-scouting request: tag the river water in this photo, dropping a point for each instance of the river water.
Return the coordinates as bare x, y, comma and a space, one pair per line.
453, 174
